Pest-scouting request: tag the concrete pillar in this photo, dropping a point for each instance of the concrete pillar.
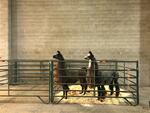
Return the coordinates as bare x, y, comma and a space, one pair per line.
145, 43
4, 29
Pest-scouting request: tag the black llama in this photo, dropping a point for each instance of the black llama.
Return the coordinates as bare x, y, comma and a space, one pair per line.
61, 76
97, 78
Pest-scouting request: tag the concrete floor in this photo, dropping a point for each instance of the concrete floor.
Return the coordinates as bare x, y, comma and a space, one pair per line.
66, 108
34, 105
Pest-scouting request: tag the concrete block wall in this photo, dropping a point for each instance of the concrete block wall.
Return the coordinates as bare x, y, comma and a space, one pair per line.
109, 28
3, 29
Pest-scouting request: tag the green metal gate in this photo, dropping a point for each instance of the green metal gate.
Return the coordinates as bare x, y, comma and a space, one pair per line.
35, 78
128, 79
25, 78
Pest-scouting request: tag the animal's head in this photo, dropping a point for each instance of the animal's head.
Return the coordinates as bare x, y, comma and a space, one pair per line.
89, 56
58, 56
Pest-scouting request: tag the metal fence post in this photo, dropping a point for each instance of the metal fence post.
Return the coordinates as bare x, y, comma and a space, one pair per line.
9, 74
124, 75
94, 77
137, 82
51, 96
15, 72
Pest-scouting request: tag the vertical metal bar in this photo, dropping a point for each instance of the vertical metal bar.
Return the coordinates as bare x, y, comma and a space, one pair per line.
137, 82
40, 69
49, 83
16, 73
51, 96
9, 74
94, 77
10, 71
124, 81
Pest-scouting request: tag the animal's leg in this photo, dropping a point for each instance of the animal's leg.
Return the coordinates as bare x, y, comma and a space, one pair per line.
64, 93
99, 92
65, 90
81, 79
117, 87
111, 87
85, 89
82, 86
103, 92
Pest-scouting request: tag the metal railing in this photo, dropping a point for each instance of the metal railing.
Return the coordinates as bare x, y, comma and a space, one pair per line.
128, 79
35, 78
25, 78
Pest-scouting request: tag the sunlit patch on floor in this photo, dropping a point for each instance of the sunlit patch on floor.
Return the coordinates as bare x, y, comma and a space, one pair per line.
87, 101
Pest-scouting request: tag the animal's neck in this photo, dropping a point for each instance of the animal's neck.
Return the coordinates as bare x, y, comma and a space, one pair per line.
61, 63
56, 73
90, 63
